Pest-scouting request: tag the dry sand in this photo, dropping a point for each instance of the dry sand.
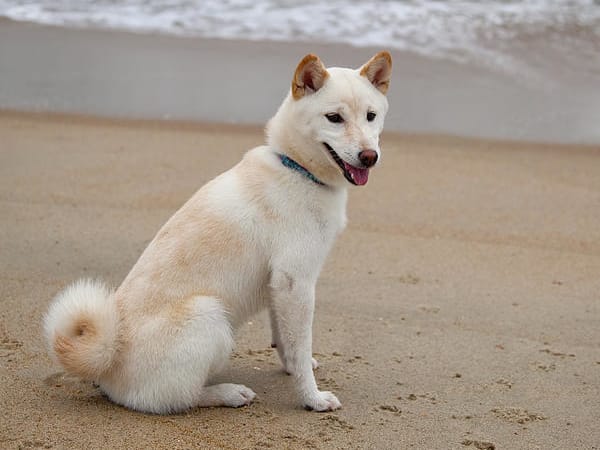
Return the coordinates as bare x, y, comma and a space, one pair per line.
459, 310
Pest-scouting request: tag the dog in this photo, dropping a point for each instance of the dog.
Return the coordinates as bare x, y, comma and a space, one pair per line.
254, 237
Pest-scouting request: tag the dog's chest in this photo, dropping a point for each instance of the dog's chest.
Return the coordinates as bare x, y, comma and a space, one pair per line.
309, 222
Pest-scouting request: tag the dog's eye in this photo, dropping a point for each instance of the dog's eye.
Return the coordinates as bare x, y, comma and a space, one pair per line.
371, 116
334, 118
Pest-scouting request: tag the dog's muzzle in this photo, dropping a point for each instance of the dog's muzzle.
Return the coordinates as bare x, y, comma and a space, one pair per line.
355, 175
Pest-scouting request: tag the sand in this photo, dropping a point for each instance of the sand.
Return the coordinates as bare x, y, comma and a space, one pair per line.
459, 309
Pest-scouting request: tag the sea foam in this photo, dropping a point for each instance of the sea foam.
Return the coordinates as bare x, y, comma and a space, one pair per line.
484, 32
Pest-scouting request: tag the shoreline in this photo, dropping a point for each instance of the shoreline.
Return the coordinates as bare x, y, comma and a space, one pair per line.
119, 74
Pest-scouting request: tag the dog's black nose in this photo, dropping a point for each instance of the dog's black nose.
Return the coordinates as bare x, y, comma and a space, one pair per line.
368, 157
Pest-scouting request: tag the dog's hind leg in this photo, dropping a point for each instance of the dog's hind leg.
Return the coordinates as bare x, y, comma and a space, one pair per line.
225, 394
210, 333
173, 357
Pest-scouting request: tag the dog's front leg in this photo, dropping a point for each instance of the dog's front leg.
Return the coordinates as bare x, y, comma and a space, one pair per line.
292, 308
278, 345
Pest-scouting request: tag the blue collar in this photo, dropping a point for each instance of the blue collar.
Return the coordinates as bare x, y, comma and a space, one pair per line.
290, 163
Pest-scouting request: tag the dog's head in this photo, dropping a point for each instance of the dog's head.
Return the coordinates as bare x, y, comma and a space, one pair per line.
332, 118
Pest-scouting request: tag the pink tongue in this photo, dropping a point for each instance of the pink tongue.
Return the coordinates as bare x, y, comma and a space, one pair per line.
360, 176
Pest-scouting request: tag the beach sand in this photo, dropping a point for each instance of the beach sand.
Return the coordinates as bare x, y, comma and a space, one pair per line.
459, 309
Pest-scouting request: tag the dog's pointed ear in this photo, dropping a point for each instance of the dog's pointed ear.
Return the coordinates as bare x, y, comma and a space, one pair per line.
309, 77
378, 70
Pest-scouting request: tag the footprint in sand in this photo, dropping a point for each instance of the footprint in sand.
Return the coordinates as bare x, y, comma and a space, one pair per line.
335, 422
481, 445
518, 415
539, 366
557, 354
391, 408
9, 347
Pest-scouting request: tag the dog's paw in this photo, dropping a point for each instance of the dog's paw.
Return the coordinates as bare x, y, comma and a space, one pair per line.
322, 401
238, 395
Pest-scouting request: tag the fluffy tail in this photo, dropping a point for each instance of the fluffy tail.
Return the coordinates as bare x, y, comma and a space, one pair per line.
81, 328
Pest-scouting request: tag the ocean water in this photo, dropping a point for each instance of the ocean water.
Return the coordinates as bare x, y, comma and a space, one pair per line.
492, 33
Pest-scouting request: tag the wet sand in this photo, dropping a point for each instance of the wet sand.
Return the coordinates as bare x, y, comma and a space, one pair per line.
118, 74
458, 310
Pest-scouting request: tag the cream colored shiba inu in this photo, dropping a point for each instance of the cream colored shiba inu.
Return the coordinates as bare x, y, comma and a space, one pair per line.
255, 237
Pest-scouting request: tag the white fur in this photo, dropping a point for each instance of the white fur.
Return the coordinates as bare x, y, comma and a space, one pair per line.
255, 237
88, 301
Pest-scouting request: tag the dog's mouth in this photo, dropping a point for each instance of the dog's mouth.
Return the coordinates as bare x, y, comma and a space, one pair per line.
355, 175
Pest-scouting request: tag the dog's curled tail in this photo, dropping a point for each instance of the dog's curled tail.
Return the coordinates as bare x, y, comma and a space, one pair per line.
81, 328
